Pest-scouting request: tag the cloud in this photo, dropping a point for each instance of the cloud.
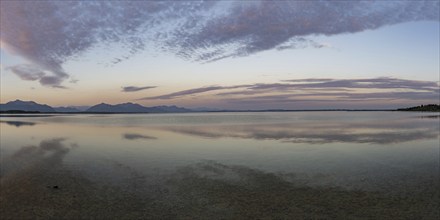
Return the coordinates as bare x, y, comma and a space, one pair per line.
192, 92
53, 81
335, 92
374, 83
251, 27
33, 73
133, 136
309, 80
72, 80
336, 98
49, 33
135, 88
26, 72
304, 90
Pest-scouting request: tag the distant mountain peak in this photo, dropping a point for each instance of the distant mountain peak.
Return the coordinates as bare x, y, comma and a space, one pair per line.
18, 101
26, 106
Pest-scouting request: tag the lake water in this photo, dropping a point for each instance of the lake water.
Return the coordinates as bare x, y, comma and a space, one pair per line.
270, 165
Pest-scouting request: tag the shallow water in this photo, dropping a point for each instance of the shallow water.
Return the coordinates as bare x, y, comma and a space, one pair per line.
221, 165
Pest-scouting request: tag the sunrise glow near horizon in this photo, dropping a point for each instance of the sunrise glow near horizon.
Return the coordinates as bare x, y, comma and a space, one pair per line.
222, 54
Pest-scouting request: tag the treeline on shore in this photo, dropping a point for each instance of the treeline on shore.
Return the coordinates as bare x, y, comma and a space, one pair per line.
422, 108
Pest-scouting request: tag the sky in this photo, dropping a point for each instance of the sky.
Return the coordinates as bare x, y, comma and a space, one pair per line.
222, 54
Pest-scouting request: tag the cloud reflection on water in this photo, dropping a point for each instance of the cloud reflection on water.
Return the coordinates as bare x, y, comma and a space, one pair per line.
49, 154
18, 123
372, 132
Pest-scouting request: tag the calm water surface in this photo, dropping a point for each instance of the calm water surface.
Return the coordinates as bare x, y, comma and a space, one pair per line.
221, 166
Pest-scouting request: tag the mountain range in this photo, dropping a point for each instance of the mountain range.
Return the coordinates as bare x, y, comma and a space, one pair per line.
135, 108
26, 106
19, 106
30, 106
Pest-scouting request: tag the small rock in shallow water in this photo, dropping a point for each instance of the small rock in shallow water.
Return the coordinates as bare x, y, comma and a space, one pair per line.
55, 187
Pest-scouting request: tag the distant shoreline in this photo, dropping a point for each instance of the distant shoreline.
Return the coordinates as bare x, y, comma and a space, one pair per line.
421, 108
31, 107
3, 113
